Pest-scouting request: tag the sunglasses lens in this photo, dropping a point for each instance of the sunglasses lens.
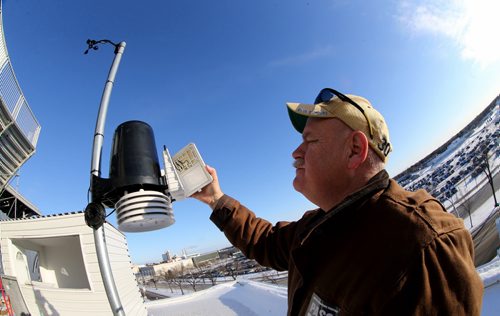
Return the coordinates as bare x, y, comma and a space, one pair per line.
324, 95
327, 94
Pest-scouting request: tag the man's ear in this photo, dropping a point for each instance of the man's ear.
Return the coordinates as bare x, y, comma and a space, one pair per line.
358, 149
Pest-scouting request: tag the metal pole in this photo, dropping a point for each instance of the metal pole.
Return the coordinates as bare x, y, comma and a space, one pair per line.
99, 238
106, 273
103, 109
489, 176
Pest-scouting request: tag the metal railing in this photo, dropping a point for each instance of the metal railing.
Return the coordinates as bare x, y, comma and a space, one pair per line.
13, 98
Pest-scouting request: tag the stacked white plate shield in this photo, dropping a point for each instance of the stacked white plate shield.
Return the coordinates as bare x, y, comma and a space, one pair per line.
144, 210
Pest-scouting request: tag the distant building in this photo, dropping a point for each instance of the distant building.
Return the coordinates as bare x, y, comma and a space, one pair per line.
173, 266
228, 252
146, 272
166, 256
209, 256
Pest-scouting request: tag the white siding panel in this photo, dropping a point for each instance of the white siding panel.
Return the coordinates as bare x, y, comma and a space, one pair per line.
29, 298
125, 281
136, 310
70, 301
7, 264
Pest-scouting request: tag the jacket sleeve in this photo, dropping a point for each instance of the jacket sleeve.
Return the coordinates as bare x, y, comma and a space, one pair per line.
257, 238
442, 280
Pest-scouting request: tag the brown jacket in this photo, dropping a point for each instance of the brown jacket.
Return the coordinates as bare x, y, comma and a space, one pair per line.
382, 251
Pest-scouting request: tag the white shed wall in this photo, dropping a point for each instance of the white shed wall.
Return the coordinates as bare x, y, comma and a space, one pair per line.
43, 298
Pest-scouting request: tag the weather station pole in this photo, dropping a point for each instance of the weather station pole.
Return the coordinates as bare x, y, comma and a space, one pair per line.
99, 237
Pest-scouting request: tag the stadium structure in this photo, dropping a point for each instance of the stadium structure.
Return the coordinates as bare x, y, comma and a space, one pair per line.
19, 131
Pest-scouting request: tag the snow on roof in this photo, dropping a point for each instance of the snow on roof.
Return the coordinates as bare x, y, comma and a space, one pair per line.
249, 298
241, 297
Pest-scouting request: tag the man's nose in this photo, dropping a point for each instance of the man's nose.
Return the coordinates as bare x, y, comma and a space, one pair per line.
299, 152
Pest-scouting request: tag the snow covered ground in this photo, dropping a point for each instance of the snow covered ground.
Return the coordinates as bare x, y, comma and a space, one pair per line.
241, 297
244, 297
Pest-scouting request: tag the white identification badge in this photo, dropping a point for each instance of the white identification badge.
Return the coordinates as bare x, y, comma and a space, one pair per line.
318, 307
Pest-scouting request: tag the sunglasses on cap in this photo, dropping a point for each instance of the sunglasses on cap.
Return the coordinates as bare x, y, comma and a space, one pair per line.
328, 94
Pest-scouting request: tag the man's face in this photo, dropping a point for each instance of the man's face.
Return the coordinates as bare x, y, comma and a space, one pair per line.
321, 159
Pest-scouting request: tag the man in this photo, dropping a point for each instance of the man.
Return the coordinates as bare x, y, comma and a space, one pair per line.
371, 247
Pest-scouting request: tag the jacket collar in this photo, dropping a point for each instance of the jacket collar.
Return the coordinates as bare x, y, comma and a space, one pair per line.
377, 183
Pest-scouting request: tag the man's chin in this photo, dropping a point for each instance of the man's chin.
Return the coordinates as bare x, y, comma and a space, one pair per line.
297, 185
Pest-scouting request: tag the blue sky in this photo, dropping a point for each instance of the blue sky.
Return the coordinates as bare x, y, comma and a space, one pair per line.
218, 73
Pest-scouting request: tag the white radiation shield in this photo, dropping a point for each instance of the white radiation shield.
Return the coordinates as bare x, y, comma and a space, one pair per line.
144, 211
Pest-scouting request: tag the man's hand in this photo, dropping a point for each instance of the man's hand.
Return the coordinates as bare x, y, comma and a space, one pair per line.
211, 193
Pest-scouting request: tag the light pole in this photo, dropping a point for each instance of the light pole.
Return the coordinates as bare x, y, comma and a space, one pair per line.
487, 171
